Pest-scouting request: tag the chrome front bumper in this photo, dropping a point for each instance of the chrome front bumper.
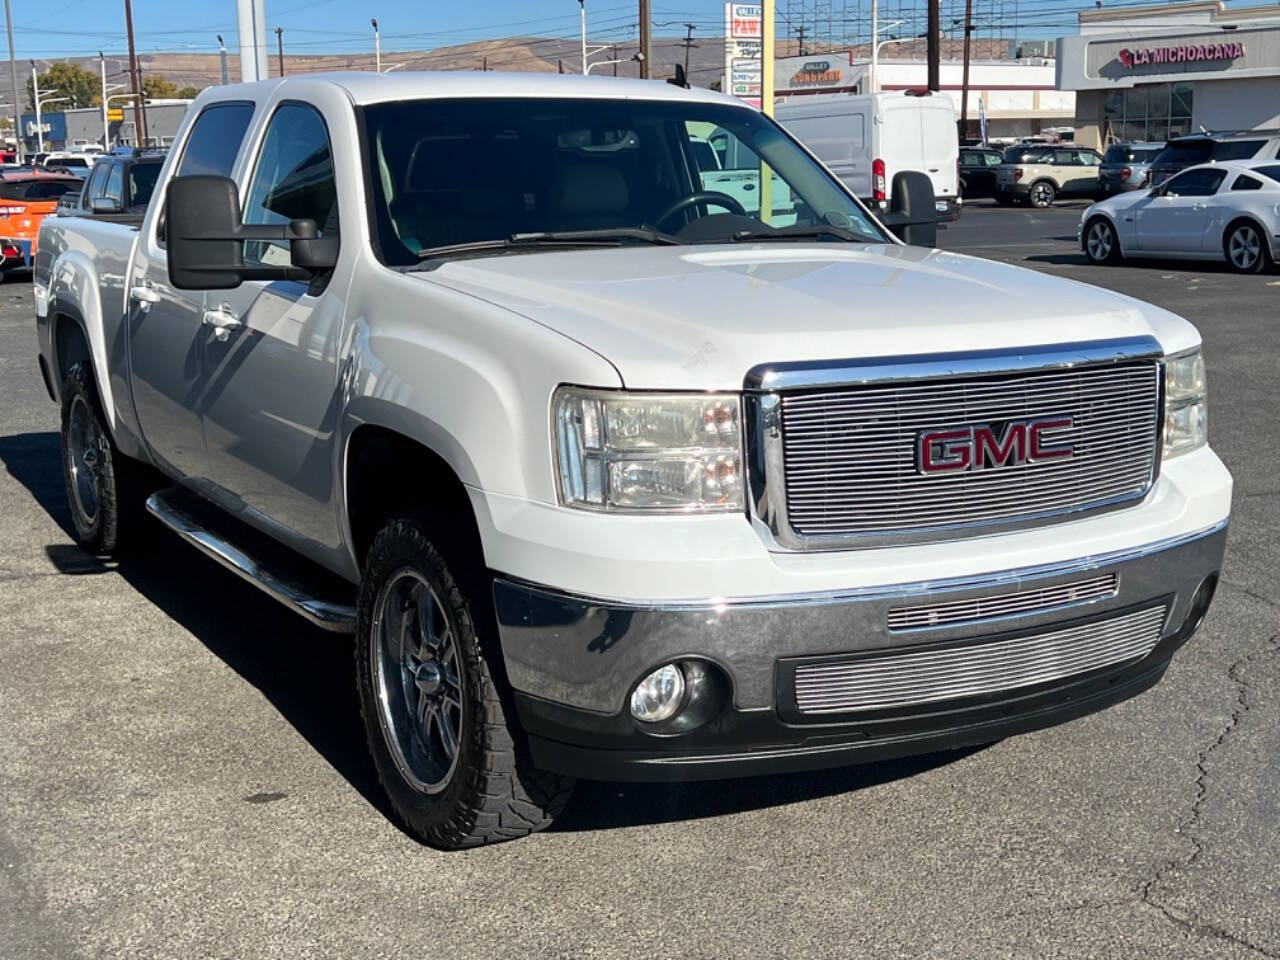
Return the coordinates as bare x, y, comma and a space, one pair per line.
573, 661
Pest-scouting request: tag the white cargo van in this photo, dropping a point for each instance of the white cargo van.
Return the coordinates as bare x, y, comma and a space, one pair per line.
866, 139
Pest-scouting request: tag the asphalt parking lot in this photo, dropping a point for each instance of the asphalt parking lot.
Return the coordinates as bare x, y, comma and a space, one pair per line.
183, 774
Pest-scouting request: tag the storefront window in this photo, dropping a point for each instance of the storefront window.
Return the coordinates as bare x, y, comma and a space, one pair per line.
1152, 112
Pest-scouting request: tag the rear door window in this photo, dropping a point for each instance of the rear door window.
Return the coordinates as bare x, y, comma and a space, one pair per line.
1237, 149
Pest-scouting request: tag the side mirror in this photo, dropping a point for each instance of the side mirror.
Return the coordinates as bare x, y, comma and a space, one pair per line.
913, 214
104, 205
205, 239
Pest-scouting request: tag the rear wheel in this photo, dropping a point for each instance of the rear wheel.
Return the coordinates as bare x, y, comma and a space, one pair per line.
1245, 247
1042, 194
446, 750
1100, 242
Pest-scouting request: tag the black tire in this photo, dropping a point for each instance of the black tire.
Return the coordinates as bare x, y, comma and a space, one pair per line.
105, 489
1244, 244
488, 792
1042, 194
1101, 244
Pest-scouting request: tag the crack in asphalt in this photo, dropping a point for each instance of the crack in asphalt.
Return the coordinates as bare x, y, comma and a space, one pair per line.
1190, 922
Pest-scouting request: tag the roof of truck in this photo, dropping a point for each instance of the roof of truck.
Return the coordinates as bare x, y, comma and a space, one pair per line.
366, 88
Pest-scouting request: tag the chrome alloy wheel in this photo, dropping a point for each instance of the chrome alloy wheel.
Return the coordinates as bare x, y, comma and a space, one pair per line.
1042, 195
84, 449
417, 681
1099, 241
1244, 247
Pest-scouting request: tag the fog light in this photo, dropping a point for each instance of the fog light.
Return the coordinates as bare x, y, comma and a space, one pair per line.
659, 695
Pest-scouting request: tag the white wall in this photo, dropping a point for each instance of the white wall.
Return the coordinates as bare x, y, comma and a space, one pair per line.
1236, 104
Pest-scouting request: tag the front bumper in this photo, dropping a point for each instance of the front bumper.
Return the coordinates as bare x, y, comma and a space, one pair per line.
573, 660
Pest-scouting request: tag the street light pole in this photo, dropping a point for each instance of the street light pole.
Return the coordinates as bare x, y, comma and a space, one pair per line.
222, 52
35, 94
13, 80
377, 45
106, 131
582, 15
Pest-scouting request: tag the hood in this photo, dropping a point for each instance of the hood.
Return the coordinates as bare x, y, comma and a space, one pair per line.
701, 317
1121, 201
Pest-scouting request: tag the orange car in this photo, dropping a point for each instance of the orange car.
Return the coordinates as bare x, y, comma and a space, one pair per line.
25, 200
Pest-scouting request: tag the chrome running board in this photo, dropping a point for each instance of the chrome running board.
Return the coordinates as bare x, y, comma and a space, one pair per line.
167, 507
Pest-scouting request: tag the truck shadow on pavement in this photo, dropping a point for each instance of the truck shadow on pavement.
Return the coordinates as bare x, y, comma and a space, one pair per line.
306, 673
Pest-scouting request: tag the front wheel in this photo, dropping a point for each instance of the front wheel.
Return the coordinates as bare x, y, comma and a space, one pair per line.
443, 745
105, 488
1100, 242
1245, 247
1042, 194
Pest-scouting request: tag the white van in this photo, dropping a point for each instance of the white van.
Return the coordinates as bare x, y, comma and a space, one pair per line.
866, 139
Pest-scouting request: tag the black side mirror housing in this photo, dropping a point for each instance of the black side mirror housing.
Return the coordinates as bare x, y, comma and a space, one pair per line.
913, 214
104, 205
205, 239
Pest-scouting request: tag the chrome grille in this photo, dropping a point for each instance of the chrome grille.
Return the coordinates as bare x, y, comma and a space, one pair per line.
849, 454
901, 679
952, 612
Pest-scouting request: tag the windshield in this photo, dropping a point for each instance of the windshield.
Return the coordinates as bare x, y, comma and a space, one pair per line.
448, 172
1186, 152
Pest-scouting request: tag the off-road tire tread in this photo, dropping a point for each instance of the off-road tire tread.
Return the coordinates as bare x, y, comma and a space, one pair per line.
502, 797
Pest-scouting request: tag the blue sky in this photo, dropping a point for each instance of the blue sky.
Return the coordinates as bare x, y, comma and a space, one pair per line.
53, 28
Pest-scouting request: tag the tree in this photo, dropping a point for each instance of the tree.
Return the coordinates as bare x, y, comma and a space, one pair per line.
188, 93
156, 87
66, 80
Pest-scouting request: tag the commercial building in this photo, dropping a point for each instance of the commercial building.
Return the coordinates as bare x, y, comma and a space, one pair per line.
1019, 97
1150, 73
84, 124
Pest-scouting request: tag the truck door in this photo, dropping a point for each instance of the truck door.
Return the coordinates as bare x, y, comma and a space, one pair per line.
272, 401
166, 331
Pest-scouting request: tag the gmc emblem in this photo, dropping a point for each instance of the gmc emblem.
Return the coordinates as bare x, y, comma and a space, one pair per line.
979, 447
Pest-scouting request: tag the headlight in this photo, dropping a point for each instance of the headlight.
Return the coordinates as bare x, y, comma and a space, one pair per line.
648, 452
1186, 426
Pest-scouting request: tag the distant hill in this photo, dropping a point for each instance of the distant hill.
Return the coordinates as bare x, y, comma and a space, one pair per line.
523, 54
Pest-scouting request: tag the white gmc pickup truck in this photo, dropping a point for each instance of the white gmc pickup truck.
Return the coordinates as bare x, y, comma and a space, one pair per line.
608, 476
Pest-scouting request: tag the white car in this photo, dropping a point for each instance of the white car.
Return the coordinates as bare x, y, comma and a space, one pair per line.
1215, 211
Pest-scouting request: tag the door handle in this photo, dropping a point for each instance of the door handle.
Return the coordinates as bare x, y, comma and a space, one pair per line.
144, 294
222, 321
1199, 206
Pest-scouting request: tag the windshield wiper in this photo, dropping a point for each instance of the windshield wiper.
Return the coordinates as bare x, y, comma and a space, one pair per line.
609, 237
800, 232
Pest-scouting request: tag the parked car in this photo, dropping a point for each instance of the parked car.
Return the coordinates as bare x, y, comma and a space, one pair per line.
605, 476
865, 140
1182, 152
65, 161
25, 200
1216, 211
978, 167
119, 186
1041, 175
1126, 166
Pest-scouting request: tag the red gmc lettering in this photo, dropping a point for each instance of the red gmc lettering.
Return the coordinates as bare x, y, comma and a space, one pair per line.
953, 451
1039, 449
990, 451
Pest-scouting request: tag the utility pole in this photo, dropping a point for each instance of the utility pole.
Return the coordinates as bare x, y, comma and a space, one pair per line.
13, 81
800, 38
280, 47
485, 66
646, 37
222, 52
615, 59
964, 82
688, 45
377, 45
139, 111
106, 129
559, 66
935, 43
